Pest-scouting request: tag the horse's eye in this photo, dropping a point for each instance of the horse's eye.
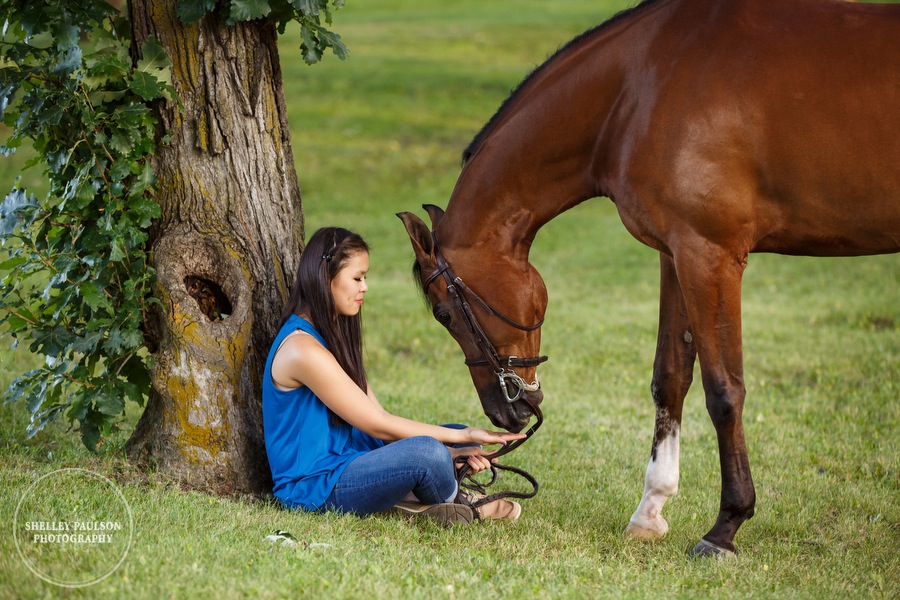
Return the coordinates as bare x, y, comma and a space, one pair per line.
443, 318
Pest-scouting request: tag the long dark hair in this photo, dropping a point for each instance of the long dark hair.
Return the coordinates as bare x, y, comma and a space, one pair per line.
326, 253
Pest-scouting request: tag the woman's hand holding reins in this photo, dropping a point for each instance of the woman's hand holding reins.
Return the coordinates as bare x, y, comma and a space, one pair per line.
471, 455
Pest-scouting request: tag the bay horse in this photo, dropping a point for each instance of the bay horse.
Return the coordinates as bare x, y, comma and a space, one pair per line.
718, 128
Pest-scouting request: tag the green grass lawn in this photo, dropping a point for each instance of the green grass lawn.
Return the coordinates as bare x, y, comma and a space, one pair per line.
382, 133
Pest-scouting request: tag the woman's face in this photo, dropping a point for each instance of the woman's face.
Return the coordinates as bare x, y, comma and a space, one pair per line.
349, 285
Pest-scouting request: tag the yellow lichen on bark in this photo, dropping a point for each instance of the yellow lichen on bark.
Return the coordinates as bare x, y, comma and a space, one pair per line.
196, 437
199, 363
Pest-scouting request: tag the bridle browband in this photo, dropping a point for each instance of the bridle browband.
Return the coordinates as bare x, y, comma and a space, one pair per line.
503, 366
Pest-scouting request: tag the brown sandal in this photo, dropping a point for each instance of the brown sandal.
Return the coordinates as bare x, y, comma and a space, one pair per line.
498, 510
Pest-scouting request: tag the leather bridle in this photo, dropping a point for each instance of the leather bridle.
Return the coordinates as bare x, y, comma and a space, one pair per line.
503, 367
512, 384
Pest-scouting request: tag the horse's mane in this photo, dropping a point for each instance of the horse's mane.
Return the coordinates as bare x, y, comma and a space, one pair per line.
479, 138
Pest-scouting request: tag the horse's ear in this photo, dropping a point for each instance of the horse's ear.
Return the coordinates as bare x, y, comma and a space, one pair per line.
419, 235
435, 212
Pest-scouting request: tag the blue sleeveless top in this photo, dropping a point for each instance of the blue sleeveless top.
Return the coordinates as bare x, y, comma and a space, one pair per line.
307, 452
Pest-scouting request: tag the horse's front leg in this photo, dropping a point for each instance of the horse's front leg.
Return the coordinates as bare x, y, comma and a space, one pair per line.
710, 279
673, 370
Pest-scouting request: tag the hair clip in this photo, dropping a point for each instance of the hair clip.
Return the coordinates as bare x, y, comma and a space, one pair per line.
326, 257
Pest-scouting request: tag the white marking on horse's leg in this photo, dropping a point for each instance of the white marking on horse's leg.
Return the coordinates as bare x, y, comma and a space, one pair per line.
660, 484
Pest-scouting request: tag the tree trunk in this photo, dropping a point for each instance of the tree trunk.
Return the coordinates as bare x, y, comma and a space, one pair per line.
225, 249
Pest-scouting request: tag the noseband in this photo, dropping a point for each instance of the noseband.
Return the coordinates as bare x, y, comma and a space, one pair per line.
511, 383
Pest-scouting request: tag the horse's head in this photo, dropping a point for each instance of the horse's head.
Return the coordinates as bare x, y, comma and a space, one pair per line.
493, 306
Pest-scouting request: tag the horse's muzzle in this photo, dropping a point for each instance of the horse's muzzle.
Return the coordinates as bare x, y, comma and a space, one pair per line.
514, 416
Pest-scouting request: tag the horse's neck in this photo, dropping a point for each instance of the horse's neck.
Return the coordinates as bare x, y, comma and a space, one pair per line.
543, 154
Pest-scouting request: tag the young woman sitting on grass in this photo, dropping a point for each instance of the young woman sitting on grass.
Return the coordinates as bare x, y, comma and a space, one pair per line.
331, 445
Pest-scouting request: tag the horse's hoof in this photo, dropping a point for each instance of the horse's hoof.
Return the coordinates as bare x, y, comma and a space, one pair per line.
705, 549
639, 532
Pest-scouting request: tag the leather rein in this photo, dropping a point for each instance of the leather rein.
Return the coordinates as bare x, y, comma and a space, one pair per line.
512, 384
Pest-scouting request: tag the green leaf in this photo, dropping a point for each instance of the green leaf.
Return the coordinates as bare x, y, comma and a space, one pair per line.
144, 180
190, 11
92, 296
153, 56
69, 62
248, 10
113, 343
86, 193
333, 41
100, 98
7, 91
51, 342
310, 49
120, 169
117, 250
90, 436
79, 405
20, 387
11, 210
65, 34
42, 416
87, 344
144, 212
108, 402
12, 263
152, 76
120, 141
309, 8
136, 372
132, 339
145, 85
14, 322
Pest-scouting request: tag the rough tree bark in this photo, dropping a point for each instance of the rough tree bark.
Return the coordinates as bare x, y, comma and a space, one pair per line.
225, 249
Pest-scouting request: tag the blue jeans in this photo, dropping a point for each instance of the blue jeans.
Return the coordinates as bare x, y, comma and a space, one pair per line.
379, 479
